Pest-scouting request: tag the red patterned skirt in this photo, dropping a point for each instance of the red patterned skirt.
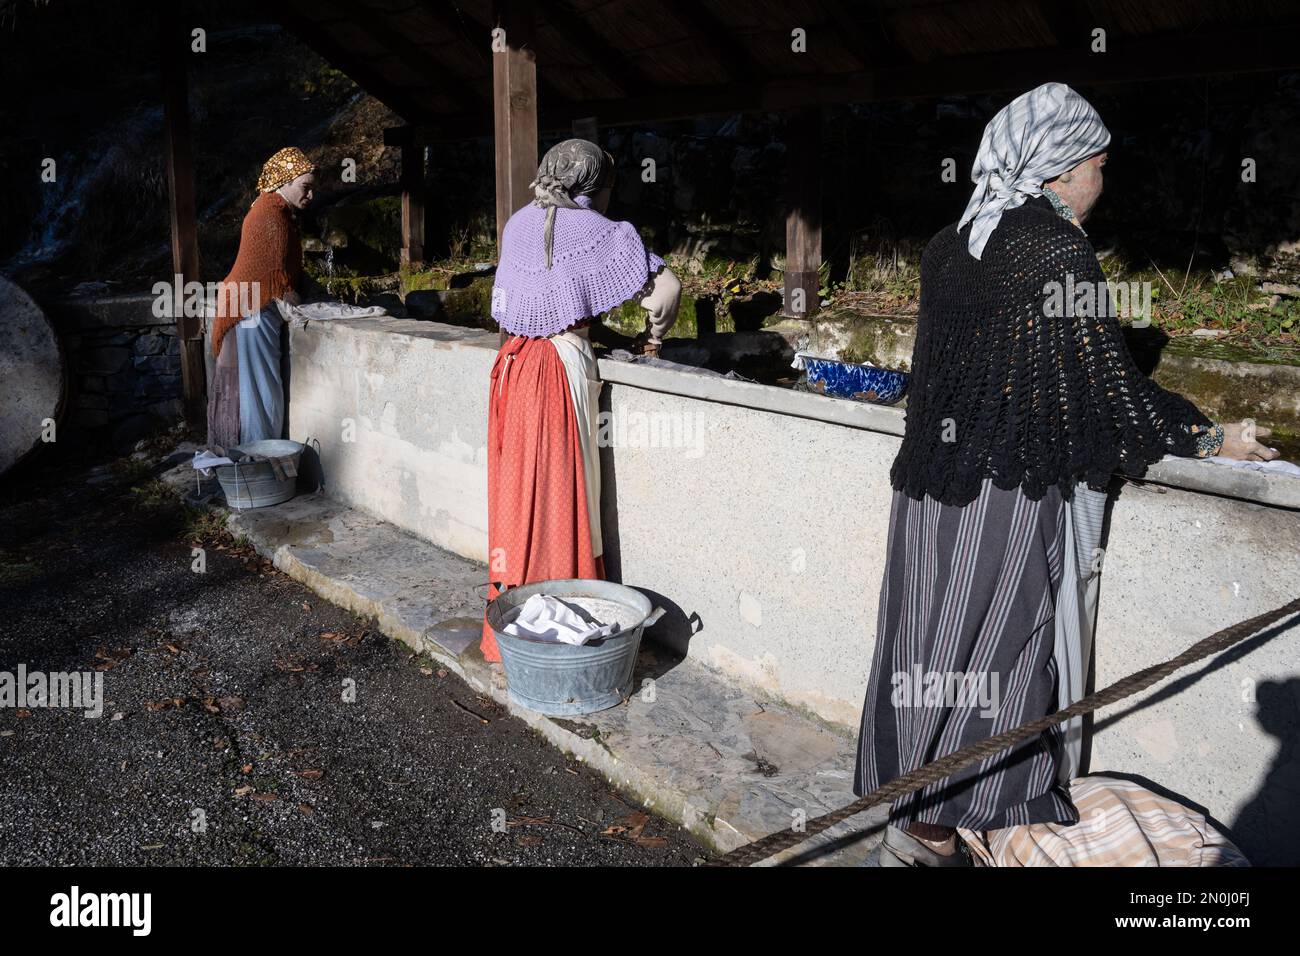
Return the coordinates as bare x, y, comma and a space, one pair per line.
538, 522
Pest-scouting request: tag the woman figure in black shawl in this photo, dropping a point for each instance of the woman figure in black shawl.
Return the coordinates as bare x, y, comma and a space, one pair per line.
1023, 402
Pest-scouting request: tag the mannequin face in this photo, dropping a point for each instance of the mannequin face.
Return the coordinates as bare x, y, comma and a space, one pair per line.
299, 193
1081, 186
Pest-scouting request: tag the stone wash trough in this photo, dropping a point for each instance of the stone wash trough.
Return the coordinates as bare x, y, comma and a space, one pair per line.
756, 516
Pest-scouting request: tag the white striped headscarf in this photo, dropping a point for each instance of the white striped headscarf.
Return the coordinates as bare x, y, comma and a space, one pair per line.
1037, 136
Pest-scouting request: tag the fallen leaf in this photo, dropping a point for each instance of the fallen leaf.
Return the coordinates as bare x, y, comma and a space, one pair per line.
173, 648
246, 768
306, 606
442, 672
231, 703
426, 671
243, 791
629, 827
311, 774
111, 658
263, 797
306, 809
23, 712
528, 839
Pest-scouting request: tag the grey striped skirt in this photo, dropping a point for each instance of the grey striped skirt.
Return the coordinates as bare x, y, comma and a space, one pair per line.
970, 641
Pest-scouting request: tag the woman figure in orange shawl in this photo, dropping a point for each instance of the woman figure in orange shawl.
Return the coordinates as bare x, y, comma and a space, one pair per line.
268, 267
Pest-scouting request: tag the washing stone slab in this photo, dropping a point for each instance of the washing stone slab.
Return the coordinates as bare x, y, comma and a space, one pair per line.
728, 766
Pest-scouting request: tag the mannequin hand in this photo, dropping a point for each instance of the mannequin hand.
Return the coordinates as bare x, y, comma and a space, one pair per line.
642, 345
1240, 441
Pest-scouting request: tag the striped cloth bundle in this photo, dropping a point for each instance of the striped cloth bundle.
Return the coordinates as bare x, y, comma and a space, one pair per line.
1120, 823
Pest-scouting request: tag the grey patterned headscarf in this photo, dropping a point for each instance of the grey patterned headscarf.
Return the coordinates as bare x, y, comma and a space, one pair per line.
575, 167
1037, 136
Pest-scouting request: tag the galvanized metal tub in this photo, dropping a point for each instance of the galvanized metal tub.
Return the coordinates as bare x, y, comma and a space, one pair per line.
254, 484
563, 679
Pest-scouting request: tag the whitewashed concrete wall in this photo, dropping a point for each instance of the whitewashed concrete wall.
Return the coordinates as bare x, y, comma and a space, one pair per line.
763, 533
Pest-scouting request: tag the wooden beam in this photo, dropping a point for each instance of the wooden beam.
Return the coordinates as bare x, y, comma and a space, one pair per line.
803, 221
1269, 48
453, 18
413, 57
595, 48
412, 205
514, 99
1071, 23
1129, 60
174, 36
870, 42
718, 38
402, 100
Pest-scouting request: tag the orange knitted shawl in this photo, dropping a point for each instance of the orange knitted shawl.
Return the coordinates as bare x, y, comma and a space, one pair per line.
270, 254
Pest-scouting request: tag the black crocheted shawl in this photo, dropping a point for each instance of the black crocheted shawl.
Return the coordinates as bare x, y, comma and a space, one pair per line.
1005, 386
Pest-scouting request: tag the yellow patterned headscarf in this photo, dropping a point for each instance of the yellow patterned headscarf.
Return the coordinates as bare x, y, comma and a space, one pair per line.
283, 168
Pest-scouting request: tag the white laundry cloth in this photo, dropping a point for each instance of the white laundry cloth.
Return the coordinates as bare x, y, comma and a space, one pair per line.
322, 311
1276, 466
546, 618
205, 461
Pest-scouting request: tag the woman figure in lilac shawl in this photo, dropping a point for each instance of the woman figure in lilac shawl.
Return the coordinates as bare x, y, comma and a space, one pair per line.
563, 264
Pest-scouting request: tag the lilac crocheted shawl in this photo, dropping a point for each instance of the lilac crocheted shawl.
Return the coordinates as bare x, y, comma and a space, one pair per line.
598, 264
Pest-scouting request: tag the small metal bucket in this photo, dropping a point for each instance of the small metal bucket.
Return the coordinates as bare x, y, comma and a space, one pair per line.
254, 484
562, 679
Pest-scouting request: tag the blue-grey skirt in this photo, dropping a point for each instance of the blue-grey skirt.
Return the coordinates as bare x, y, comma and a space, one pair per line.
966, 648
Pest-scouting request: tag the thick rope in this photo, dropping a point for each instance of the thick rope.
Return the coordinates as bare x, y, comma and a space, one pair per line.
944, 767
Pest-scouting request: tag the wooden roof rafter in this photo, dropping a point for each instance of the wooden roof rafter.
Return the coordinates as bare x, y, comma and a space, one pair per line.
696, 65
1071, 23
410, 54
712, 33
446, 14
870, 43
401, 99
594, 48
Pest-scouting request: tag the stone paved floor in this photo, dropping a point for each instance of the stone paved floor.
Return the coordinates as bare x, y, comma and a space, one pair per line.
728, 766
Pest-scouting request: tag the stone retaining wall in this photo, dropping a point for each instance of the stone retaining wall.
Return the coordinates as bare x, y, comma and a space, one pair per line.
758, 522
124, 368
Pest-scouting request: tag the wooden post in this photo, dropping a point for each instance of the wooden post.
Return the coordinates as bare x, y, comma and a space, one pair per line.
175, 39
514, 107
412, 203
803, 223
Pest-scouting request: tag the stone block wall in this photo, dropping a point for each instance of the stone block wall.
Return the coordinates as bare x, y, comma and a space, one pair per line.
124, 371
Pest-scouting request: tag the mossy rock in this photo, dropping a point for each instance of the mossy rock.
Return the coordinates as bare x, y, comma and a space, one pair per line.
424, 280
470, 304
851, 336
629, 319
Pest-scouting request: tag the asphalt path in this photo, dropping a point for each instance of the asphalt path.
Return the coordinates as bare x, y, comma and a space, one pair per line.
248, 722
